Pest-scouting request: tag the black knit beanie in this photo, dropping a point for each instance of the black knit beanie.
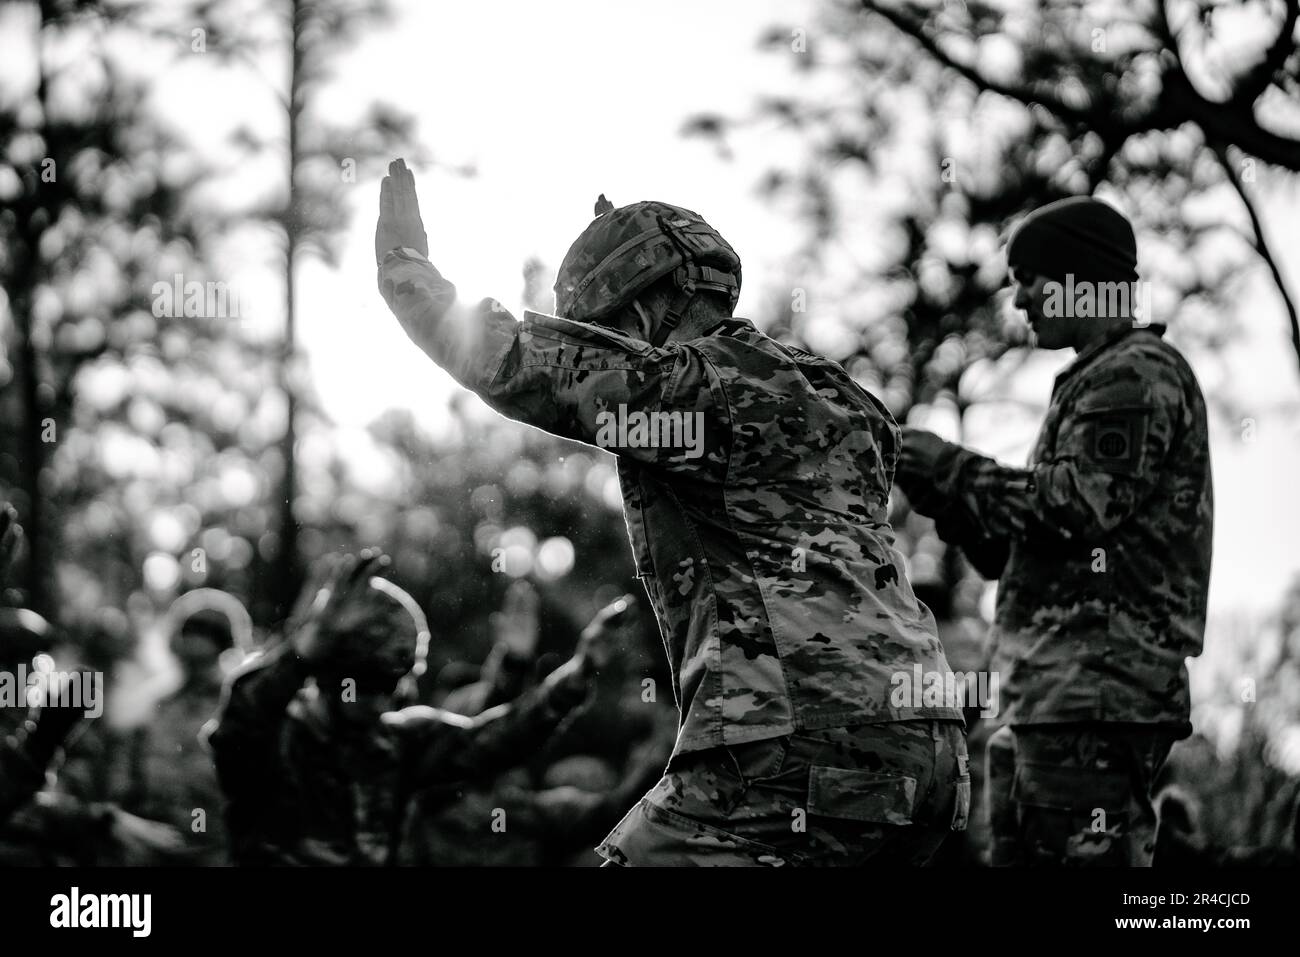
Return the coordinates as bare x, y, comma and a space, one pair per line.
1079, 235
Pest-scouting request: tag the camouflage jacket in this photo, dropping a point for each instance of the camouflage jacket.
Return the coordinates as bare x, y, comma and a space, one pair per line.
755, 479
298, 792
1102, 544
170, 774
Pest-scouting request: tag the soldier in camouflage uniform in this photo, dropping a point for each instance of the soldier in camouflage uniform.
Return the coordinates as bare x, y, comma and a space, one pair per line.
39, 825
171, 778
1102, 550
316, 769
47, 826
575, 787
755, 479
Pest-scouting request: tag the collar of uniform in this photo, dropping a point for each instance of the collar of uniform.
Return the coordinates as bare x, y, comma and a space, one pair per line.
729, 327
1096, 348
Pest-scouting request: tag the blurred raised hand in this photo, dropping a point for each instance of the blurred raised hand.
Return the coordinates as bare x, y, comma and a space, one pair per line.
603, 637
337, 603
517, 624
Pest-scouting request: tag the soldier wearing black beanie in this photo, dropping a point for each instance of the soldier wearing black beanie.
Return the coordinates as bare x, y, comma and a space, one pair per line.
1101, 546
1079, 235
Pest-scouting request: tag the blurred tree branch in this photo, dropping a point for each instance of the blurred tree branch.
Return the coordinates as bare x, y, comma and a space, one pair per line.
1229, 123
1258, 241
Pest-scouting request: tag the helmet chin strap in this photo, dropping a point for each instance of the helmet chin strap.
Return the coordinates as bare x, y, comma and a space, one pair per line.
658, 331
689, 278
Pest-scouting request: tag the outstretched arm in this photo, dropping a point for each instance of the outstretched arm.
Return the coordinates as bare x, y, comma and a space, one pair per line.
570, 378
245, 737
1103, 467
934, 486
447, 749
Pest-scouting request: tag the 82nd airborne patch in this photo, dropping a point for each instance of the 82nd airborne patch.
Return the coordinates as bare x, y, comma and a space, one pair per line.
1117, 440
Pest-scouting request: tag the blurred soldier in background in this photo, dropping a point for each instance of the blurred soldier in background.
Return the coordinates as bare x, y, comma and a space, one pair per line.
315, 766
1101, 547
42, 825
511, 663
755, 480
575, 787
171, 777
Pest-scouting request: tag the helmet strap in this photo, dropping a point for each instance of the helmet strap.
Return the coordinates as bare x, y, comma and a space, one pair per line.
673, 315
689, 279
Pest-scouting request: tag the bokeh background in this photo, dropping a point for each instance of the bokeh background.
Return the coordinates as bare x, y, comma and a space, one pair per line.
864, 158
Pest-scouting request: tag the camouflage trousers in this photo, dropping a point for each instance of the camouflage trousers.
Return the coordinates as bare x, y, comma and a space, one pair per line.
1075, 795
880, 794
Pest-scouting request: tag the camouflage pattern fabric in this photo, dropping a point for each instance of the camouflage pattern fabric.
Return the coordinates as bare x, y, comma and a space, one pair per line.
171, 775
1102, 545
299, 792
625, 250
883, 794
755, 480
1075, 796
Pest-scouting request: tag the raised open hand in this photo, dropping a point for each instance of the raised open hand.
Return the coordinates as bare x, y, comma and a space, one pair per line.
399, 213
599, 642
338, 602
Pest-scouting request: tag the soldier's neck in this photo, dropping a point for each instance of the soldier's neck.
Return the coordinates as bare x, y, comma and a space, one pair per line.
1094, 330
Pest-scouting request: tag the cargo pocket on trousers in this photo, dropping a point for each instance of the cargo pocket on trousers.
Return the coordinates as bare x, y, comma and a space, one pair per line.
1070, 815
1069, 788
866, 796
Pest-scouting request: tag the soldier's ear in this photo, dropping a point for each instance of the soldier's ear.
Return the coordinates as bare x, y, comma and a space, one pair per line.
603, 206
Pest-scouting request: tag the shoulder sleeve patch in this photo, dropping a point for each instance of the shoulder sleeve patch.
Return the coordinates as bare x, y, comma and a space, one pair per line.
1117, 438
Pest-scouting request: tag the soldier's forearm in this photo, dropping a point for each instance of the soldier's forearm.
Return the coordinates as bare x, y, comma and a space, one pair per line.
1082, 503
934, 492
500, 738
506, 674
987, 553
469, 343
256, 699
947, 494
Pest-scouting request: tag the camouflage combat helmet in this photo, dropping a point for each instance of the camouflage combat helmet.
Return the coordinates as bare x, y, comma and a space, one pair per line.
626, 249
218, 614
388, 651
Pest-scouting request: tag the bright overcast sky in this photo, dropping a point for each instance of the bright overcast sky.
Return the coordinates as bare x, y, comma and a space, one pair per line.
554, 103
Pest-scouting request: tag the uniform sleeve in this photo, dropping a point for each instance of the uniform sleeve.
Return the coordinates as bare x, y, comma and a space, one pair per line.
573, 379
245, 736
956, 520
458, 749
505, 675
1106, 462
